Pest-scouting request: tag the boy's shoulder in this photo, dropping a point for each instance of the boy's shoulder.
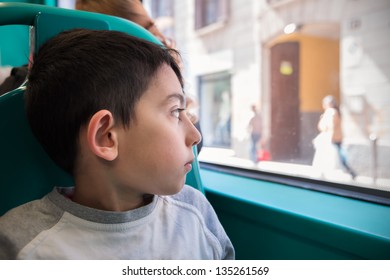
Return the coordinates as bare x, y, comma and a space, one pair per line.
27, 213
191, 200
23, 223
191, 196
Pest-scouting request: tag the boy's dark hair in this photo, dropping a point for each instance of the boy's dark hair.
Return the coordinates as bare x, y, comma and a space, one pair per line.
80, 72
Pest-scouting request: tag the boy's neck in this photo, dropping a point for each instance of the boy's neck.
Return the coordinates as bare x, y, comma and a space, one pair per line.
100, 194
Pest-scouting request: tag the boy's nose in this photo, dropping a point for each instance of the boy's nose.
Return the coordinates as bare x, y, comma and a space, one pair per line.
193, 136
198, 137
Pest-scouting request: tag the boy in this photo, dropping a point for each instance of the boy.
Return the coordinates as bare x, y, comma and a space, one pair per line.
109, 109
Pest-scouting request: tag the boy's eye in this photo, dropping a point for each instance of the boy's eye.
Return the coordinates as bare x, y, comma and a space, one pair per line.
176, 112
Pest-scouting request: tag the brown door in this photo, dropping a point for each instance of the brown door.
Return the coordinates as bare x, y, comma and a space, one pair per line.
285, 128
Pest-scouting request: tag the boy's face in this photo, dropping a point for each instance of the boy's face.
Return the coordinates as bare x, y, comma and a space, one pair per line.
155, 153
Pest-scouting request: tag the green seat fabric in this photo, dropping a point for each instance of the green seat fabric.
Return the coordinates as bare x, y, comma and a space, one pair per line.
26, 171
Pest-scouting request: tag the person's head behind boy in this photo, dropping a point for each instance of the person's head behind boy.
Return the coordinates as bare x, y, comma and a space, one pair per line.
108, 108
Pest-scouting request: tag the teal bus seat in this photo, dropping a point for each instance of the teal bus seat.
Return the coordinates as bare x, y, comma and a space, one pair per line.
26, 171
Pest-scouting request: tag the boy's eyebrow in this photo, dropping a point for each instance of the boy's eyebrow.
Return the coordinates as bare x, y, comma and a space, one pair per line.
181, 97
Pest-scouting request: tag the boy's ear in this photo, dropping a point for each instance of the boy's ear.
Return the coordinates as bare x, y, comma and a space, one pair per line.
101, 135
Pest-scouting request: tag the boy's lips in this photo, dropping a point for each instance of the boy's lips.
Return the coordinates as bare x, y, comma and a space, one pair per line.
188, 166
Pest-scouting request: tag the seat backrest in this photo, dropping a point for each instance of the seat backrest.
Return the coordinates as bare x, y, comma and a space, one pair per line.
26, 171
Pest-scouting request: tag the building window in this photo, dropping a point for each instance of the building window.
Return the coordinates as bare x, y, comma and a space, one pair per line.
208, 12
215, 106
161, 8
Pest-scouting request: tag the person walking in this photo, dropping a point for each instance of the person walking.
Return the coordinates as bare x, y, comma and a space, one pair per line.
329, 141
255, 127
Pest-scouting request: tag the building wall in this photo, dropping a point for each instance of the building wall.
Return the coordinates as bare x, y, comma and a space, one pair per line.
365, 83
319, 71
365, 65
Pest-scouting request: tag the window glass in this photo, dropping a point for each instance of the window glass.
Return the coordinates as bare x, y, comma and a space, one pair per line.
316, 72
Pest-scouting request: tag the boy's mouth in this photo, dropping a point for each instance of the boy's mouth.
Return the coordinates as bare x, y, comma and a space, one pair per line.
188, 166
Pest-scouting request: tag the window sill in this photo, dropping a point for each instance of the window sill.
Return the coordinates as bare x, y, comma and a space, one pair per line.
210, 28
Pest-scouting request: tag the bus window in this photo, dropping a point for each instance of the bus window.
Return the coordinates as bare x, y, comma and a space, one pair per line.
284, 58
